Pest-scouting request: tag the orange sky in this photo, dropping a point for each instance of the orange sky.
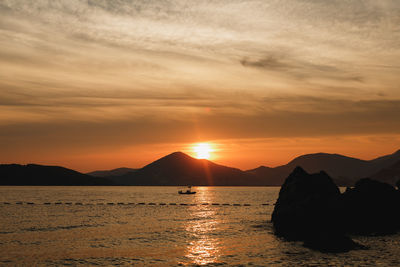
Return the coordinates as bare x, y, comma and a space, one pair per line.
104, 84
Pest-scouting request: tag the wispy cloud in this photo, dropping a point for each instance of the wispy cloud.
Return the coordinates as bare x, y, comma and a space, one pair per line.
71, 70
301, 69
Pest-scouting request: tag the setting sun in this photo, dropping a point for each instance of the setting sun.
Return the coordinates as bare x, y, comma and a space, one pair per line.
203, 150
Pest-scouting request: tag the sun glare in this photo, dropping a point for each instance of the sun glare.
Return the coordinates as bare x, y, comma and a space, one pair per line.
203, 150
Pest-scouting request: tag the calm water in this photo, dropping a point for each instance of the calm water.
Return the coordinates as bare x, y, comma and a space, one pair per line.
111, 228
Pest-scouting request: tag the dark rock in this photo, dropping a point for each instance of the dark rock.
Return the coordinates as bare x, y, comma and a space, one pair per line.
371, 207
308, 209
332, 243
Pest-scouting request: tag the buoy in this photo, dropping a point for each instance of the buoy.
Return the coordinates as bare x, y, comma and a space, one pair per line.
152, 203
215, 204
7, 203
18, 203
205, 204
265, 204
236, 204
78, 203
172, 204
46, 203
183, 204
110, 203
226, 204
58, 203
141, 203
68, 203
121, 203
131, 203
30, 203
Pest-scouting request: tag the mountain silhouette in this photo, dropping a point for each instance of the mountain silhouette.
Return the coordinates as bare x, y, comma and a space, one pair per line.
345, 171
180, 169
113, 172
33, 174
390, 175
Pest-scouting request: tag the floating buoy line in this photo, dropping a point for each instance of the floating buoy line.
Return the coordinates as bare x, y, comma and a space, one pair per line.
135, 204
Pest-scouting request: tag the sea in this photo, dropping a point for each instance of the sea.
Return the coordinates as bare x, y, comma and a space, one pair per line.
155, 226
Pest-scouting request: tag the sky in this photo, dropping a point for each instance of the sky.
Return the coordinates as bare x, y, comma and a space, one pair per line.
103, 84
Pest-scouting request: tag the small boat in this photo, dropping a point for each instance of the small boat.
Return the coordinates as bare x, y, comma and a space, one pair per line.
187, 192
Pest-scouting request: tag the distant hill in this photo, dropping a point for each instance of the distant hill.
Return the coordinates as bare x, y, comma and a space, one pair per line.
114, 172
390, 175
32, 174
180, 169
271, 176
387, 160
345, 171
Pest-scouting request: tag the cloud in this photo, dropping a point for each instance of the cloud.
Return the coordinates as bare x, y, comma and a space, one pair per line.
142, 121
269, 63
300, 69
87, 74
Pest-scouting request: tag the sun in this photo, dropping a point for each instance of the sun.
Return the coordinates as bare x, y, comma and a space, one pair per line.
203, 150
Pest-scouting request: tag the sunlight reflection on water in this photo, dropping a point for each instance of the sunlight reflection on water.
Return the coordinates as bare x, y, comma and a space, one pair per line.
204, 247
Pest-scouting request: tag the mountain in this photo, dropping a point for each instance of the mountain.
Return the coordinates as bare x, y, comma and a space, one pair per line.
33, 174
386, 161
390, 175
345, 171
180, 169
114, 172
270, 176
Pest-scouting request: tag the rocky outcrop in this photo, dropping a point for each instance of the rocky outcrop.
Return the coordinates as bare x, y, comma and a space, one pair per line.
371, 207
308, 209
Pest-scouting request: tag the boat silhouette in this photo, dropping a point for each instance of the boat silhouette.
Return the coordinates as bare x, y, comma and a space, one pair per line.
187, 192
